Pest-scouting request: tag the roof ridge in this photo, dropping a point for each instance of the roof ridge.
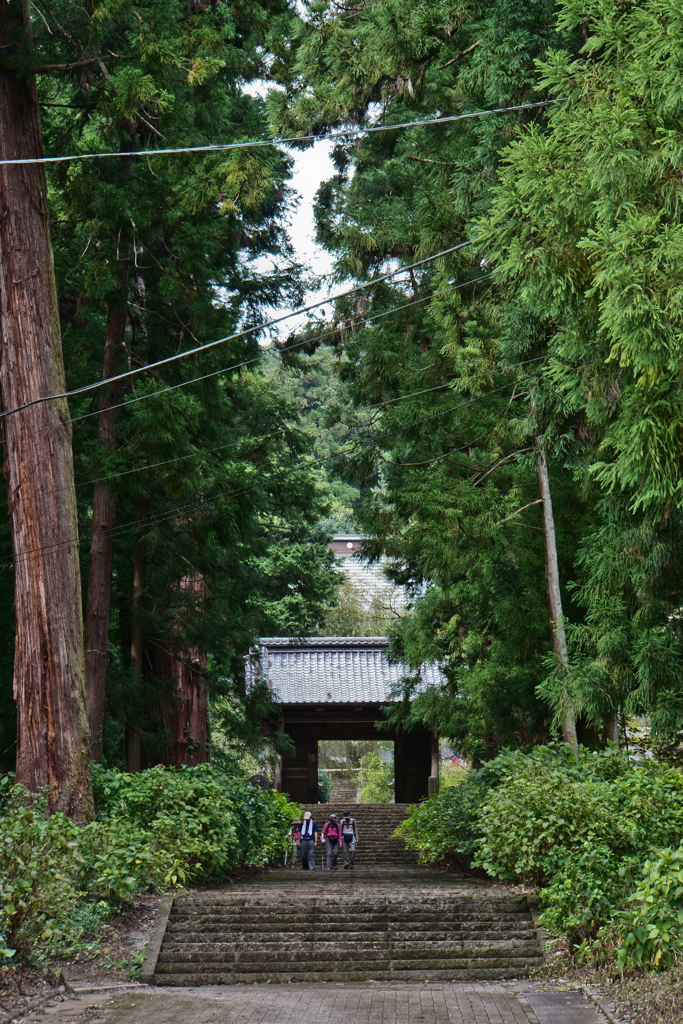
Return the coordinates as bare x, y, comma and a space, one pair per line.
324, 641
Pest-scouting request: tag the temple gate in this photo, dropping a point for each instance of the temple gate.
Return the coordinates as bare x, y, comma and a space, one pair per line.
334, 688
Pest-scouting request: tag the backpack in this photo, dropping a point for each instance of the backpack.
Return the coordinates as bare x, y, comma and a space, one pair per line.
347, 830
332, 831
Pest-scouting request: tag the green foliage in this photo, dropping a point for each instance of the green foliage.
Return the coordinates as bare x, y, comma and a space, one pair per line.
160, 828
580, 827
585, 228
451, 376
324, 785
375, 780
213, 479
445, 828
652, 933
210, 821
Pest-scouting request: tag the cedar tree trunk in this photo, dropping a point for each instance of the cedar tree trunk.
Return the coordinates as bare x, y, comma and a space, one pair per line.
49, 672
188, 719
102, 541
552, 575
137, 647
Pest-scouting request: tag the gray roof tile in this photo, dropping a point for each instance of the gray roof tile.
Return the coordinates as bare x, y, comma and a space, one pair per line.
337, 670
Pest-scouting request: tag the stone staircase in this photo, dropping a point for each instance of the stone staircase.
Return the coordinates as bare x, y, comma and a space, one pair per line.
376, 826
386, 924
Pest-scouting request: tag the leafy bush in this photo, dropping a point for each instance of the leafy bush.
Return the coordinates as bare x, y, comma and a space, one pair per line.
580, 826
324, 785
203, 821
445, 828
524, 820
652, 933
59, 880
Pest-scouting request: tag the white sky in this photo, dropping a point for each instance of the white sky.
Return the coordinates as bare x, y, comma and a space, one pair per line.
311, 167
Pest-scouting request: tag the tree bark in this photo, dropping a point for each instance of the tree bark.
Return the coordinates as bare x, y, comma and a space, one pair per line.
552, 575
49, 670
102, 540
137, 647
612, 728
188, 721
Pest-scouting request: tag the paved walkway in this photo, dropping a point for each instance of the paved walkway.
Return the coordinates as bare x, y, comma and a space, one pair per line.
369, 1003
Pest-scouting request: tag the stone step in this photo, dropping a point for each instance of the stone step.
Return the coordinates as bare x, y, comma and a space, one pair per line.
476, 972
351, 940
347, 940
228, 953
297, 963
322, 907
390, 924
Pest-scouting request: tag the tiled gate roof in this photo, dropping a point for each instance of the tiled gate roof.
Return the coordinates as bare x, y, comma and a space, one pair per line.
331, 669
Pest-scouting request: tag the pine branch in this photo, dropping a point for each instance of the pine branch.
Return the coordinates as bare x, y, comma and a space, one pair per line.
46, 69
539, 501
463, 53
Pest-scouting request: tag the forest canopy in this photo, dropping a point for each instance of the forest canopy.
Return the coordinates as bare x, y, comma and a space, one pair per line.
493, 401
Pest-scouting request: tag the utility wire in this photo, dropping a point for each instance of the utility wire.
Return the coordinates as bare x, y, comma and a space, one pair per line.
233, 337
221, 147
203, 502
286, 348
236, 366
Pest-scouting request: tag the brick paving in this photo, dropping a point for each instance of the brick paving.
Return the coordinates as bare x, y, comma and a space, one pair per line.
485, 1003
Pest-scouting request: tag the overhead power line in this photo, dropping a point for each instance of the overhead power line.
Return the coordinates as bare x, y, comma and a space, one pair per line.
246, 362
233, 337
221, 147
205, 501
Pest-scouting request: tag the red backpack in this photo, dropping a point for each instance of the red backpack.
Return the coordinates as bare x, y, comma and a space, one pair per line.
332, 826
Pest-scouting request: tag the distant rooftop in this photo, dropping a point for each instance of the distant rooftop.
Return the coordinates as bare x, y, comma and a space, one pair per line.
331, 670
367, 578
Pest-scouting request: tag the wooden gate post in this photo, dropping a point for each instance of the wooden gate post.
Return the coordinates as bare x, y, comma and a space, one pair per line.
313, 770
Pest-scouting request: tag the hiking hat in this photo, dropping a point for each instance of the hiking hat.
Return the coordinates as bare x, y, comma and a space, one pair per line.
307, 815
347, 814
296, 821
333, 817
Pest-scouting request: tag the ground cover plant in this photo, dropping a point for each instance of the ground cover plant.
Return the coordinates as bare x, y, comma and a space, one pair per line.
596, 832
165, 827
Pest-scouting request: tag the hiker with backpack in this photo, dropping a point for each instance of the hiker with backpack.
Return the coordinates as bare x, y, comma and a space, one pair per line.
332, 837
349, 830
308, 841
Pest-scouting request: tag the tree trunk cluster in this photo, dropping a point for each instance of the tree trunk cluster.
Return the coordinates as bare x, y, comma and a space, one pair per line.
49, 666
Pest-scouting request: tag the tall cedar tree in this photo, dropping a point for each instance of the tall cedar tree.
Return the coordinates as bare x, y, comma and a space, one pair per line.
197, 506
49, 670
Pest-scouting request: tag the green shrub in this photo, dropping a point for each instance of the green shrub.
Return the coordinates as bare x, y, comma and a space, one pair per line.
443, 829
652, 933
588, 886
375, 780
546, 799
39, 868
162, 827
580, 826
324, 785
203, 821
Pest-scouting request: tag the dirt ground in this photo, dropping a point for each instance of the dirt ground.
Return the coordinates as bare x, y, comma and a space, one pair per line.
642, 998
120, 944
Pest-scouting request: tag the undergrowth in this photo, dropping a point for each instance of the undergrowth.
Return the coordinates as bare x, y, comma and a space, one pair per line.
60, 881
596, 832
